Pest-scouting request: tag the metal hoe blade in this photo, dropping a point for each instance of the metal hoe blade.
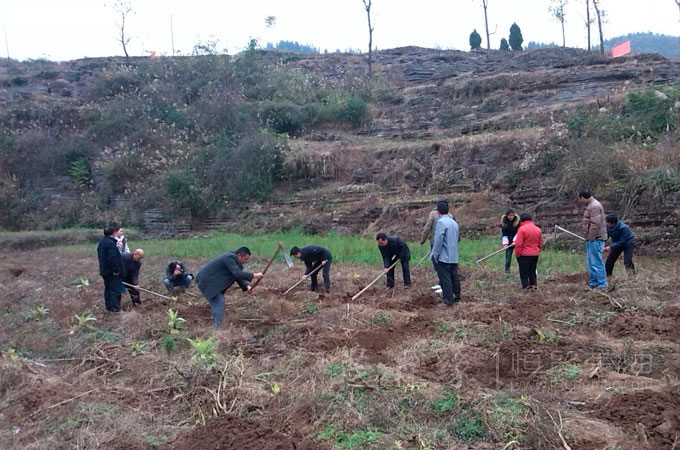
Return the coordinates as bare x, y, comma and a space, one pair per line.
286, 255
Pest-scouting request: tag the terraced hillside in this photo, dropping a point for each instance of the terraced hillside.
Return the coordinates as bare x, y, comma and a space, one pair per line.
486, 130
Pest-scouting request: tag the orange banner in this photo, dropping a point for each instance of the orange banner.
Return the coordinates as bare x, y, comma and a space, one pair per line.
621, 49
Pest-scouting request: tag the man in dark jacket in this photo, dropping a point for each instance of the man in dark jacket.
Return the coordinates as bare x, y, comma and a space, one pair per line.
623, 241
132, 263
110, 268
391, 249
219, 274
313, 256
509, 226
176, 276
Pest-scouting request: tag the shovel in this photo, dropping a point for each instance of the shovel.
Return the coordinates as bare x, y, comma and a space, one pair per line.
308, 275
374, 281
494, 253
423, 259
279, 248
557, 227
147, 291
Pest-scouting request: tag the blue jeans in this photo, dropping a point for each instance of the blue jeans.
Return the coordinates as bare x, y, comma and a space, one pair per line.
217, 309
184, 284
598, 275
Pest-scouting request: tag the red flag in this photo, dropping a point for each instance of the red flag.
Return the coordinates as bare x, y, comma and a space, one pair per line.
621, 49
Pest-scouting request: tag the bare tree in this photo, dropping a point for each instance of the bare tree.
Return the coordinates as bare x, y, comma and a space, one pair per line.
123, 9
588, 21
601, 13
557, 10
371, 26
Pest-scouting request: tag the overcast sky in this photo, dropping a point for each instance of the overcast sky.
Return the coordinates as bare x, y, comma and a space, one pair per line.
70, 29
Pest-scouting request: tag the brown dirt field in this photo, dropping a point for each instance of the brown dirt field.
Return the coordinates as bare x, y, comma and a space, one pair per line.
390, 370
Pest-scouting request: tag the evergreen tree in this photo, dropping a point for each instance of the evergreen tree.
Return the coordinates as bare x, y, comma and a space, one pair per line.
475, 40
516, 38
504, 44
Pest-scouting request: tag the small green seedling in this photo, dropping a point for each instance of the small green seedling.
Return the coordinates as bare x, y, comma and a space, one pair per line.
82, 320
205, 351
139, 348
175, 321
39, 312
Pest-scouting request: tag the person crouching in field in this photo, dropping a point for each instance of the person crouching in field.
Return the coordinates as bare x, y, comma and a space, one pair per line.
528, 244
623, 241
219, 274
509, 225
313, 256
176, 277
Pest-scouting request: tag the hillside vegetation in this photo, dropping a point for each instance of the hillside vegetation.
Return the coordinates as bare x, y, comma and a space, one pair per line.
241, 143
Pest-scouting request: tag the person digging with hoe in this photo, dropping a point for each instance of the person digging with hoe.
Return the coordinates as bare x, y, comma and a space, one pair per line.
218, 274
313, 256
623, 241
391, 249
132, 263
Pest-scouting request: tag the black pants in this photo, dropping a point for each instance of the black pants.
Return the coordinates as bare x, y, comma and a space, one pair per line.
614, 253
134, 293
326, 276
405, 271
527, 270
508, 257
112, 288
449, 281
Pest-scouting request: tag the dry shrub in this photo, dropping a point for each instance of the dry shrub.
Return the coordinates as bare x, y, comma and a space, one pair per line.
303, 163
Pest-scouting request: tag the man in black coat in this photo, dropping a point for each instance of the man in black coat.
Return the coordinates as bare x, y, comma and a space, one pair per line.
219, 274
132, 263
313, 256
110, 268
393, 248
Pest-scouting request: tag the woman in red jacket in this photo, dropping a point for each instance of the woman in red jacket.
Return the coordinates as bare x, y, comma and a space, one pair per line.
528, 243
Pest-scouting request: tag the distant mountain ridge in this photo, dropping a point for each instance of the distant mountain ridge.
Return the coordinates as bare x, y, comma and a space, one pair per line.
663, 44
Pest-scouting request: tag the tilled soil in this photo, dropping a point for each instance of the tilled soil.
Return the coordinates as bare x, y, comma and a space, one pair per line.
312, 371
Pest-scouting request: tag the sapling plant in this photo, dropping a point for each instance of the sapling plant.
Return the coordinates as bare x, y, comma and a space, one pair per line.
82, 320
205, 352
39, 312
175, 321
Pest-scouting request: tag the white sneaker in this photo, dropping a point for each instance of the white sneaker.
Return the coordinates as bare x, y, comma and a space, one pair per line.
435, 287
438, 291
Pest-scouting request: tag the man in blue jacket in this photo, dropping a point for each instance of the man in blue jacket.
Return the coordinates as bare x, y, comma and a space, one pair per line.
219, 274
445, 252
391, 249
313, 256
110, 268
623, 241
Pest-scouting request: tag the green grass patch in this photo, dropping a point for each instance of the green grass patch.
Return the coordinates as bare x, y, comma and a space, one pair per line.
349, 441
446, 403
345, 249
